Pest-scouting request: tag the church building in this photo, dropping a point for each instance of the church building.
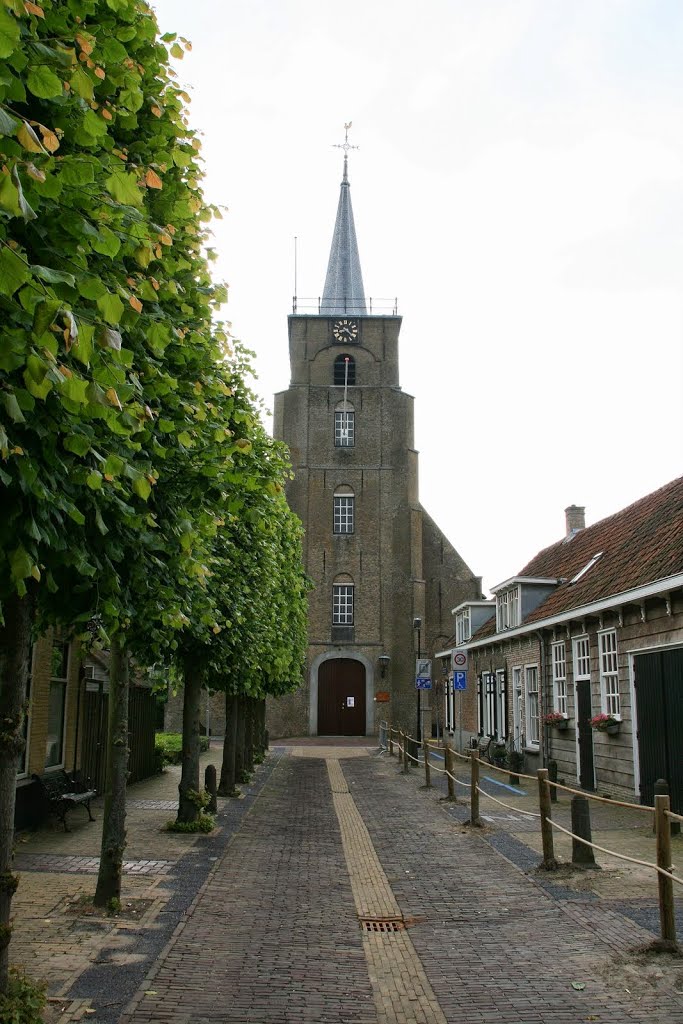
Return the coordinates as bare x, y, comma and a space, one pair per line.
385, 578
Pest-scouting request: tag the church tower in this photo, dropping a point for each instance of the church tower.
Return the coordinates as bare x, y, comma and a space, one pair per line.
378, 563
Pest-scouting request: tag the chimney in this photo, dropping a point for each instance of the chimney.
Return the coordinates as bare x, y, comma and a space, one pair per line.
575, 516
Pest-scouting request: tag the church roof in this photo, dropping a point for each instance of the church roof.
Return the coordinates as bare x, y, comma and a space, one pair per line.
343, 292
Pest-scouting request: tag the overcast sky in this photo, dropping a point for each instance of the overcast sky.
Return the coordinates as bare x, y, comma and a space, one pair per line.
518, 187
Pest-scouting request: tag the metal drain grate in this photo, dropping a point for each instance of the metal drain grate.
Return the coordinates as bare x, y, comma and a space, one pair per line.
382, 924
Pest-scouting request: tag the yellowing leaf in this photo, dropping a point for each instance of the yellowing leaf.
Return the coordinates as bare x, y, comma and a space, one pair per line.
135, 303
33, 9
177, 51
85, 42
106, 115
113, 398
28, 138
165, 239
50, 139
157, 111
35, 572
152, 179
35, 172
101, 73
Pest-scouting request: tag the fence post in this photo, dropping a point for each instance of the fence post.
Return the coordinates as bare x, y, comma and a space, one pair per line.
549, 862
390, 733
210, 787
661, 788
406, 762
428, 767
474, 788
667, 919
450, 767
552, 775
581, 826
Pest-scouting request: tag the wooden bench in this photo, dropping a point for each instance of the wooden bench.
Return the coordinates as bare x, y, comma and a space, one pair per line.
481, 743
63, 793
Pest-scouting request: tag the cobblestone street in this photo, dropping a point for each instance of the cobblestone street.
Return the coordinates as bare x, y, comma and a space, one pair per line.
338, 891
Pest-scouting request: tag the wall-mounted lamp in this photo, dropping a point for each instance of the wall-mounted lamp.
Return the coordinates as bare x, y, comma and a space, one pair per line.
446, 664
417, 622
383, 660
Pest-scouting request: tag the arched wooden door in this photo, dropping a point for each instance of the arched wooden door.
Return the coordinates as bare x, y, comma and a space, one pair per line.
341, 698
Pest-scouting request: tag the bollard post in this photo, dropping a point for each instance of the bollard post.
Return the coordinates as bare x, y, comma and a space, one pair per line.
391, 739
406, 762
552, 776
450, 768
211, 788
474, 788
581, 826
661, 788
667, 918
428, 767
549, 862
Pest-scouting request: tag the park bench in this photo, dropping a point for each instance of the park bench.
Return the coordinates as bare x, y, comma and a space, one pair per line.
482, 744
63, 792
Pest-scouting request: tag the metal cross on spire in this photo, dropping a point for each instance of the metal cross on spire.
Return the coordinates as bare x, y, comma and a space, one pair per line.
346, 146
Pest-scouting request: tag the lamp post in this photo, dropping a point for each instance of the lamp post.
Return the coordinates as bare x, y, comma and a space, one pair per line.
417, 625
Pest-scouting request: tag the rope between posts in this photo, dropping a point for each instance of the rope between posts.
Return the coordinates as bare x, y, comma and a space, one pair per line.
619, 856
674, 816
602, 799
465, 785
519, 810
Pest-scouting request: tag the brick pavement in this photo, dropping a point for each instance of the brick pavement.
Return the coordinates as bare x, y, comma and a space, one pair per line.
259, 922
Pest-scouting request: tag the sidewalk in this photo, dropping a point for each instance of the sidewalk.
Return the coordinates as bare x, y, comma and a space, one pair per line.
259, 922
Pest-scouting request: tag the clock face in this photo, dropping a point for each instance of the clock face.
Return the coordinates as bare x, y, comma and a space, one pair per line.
345, 330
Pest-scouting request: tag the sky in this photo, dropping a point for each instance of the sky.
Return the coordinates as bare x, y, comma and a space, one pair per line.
518, 187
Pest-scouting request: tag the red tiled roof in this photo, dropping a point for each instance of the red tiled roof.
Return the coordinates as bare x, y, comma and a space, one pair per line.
640, 545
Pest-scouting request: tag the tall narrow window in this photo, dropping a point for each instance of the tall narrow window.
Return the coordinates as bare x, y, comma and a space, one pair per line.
344, 426
609, 672
343, 513
507, 609
463, 629
54, 748
342, 604
582, 658
559, 659
345, 370
502, 710
531, 704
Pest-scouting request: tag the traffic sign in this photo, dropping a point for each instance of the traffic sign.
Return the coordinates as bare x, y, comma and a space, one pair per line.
423, 683
460, 680
459, 661
423, 668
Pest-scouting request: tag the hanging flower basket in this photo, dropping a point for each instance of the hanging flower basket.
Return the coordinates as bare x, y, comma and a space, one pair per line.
606, 723
557, 720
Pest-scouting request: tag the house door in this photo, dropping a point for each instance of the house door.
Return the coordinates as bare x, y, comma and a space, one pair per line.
659, 705
341, 698
585, 734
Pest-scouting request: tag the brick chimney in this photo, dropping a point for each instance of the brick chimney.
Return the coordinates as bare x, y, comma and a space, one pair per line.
575, 516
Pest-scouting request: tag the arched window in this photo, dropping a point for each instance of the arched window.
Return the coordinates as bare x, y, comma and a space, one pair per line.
342, 601
340, 370
344, 425
344, 507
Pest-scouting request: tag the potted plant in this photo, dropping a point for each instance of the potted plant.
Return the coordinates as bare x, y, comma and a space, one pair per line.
557, 719
606, 723
499, 754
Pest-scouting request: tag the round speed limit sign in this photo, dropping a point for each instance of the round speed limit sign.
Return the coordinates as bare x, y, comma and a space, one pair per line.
459, 660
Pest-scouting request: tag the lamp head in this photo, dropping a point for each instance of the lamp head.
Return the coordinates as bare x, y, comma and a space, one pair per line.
417, 622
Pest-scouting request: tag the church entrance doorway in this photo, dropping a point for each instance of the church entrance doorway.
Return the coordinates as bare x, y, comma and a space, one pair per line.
341, 698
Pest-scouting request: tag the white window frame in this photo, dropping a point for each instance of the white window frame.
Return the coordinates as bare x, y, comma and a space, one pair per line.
343, 513
517, 708
507, 609
501, 700
62, 681
608, 658
488, 680
582, 657
532, 716
344, 428
463, 627
559, 665
342, 604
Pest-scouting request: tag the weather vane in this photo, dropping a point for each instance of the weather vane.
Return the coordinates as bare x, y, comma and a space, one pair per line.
346, 145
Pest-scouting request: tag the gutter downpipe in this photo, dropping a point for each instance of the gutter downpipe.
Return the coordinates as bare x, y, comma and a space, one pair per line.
542, 711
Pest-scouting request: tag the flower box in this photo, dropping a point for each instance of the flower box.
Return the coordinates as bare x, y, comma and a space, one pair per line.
557, 720
606, 723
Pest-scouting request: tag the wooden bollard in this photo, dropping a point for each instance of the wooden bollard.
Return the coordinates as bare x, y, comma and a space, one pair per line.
210, 786
404, 745
552, 776
449, 761
428, 767
549, 862
667, 918
661, 788
581, 826
390, 733
474, 788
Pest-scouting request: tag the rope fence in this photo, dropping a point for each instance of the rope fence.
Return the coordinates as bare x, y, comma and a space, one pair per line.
665, 820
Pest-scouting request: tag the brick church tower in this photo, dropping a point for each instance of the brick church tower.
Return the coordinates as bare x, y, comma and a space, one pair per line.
377, 561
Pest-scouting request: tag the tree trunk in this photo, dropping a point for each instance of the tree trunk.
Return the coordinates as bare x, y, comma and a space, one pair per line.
249, 709
188, 808
114, 813
15, 650
227, 783
240, 763
261, 725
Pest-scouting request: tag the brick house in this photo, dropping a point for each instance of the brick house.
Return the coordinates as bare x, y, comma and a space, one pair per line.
591, 625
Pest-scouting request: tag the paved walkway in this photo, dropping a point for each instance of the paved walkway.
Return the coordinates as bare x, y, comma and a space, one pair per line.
338, 891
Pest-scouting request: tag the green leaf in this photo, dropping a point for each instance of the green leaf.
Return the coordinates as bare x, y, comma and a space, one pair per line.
82, 347
94, 480
124, 188
77, 172
13, 271
21, 563
113, 466
77, 443
82, 85
91, 287
111, 308
27, 211
44, 315
108, 338
43, 83
74, 389
75, 514
8, 124
106, 242
142, 487
9, 400
53, 276
9, 196
9, 33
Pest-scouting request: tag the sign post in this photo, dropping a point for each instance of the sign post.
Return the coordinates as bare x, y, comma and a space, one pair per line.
459, 666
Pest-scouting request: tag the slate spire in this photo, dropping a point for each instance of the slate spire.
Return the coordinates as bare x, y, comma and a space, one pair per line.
343, 292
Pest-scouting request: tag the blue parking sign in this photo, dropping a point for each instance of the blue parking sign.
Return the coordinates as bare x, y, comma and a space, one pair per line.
460, 680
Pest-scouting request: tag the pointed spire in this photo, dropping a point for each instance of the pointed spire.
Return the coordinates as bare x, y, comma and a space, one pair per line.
343, 291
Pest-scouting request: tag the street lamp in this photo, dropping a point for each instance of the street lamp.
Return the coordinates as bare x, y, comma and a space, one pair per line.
383, 660
417, 625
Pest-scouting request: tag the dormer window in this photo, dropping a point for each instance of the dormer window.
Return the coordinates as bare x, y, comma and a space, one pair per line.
463, 626
507, 609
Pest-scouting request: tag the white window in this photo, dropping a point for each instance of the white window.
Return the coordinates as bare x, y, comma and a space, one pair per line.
343, 513
517, 708
559, 660
609, 672
531, 704
582, 658
488, 723
344, 428
54, 747
492, 704
507, 609
463, 628
342, 604
501, 693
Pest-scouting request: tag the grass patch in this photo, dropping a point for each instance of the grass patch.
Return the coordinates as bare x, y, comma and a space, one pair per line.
204, 823
168, 748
